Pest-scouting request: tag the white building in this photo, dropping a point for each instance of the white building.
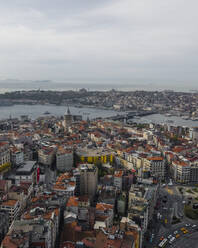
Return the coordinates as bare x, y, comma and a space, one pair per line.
46, 155
181, 171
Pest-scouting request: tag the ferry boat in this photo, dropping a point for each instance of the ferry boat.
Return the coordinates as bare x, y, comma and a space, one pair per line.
185, 117
194, 119
46, 113
170, 121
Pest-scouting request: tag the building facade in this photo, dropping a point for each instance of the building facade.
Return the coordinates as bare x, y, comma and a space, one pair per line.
64, 159
88, 179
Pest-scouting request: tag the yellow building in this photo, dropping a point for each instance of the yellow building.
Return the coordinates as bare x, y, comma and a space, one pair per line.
94, 156
4, 157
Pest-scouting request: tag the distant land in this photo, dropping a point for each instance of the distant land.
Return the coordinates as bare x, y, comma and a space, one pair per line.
8, 85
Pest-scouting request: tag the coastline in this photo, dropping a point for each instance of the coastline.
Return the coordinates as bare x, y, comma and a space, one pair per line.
38, 110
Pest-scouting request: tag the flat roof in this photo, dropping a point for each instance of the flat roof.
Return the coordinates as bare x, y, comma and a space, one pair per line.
26, 167
93, 152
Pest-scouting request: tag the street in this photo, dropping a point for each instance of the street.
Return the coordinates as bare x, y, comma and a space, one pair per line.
171, 205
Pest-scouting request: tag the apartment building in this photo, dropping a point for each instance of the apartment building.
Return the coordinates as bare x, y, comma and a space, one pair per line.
4, 158
194, 173
156, 166
12, 207
138, 209
104, 213
181, 171
46, 155
118, 179
65, 185
27, 172
64, 159
17, 156
4, 224
88, 179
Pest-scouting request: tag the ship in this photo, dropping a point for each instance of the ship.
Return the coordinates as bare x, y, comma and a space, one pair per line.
170, 121
185, 117
46, 113
194, 119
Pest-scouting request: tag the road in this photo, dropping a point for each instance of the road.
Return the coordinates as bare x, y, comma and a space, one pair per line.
171, 205
188, 241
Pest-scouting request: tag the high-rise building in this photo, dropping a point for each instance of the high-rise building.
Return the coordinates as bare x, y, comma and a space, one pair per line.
88, 179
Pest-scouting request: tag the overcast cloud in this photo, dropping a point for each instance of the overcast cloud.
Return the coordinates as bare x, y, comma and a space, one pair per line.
132, 40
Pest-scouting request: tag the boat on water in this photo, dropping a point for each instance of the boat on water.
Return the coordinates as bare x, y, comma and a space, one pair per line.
185, 117
46, 113
169, 121
194, 119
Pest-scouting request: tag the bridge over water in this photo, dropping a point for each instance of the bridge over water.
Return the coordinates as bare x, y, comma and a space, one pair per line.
131, 115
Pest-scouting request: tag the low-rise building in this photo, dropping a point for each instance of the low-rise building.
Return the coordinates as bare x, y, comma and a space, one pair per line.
65, 185
27, 172
16, 239
105, 213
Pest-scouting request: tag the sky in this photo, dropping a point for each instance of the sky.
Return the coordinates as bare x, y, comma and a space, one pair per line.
120, 41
